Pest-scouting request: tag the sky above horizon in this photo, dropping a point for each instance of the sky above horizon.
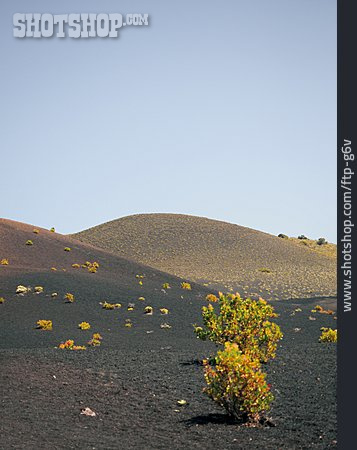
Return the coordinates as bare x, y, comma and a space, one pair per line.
225, 110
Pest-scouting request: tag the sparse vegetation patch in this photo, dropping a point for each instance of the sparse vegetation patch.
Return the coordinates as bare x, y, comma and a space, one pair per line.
107, 305
69, 298
44, 325
69, 345
328, 335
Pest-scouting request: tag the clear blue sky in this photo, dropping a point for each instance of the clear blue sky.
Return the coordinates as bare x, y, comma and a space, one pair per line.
218, 109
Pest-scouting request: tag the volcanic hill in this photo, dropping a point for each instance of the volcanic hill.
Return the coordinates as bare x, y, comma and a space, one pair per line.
219, 254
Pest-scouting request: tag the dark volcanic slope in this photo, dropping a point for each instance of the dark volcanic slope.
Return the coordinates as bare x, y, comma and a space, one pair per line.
135, 378
218, 253
114, 282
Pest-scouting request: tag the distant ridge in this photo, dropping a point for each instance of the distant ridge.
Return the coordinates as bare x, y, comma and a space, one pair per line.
219, 254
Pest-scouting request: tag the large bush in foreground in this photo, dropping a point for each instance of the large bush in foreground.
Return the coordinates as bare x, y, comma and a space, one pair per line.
237, 383
244, 322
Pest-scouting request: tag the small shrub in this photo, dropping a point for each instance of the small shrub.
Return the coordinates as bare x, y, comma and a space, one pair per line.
128, 323
237, 383
321, 310
91, 267
69, 345
212, 298
166, 286
140, 283
67, 249
165, 326
321, 241
264, 270
4, 262
131, 306
139, 276
76, 266
38, 289
244, 322
44, 325
29, 242
54, 269
69, 298
2, 300
54, 294
186, 285
107, 305
302, 236
164, 311
142, 299
36, 231
148, 310
328, 335
52, 230
84, 326
283, 236
96, 340
22, 290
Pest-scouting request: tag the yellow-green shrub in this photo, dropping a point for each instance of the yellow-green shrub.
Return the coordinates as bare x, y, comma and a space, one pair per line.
4, 262
29, 242
2, 300
166, 286
321, 310
44, 325
92, 267
69, 345
212, 298
67, 249
106, 305
185, 285
84, 326
96, 340
244, 322
36, 231
237, 383
328, 335
22, 290
69, 298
